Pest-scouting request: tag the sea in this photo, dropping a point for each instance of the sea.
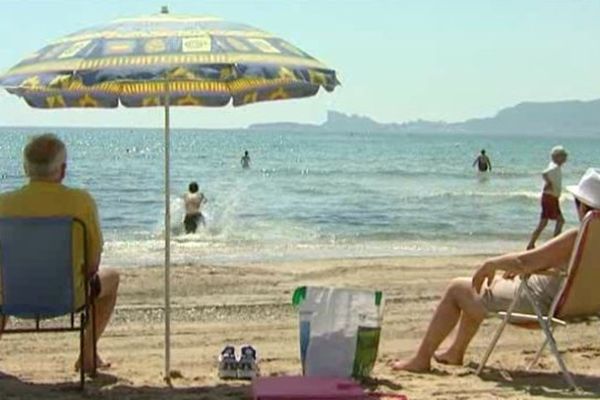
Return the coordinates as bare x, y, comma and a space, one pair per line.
309, 195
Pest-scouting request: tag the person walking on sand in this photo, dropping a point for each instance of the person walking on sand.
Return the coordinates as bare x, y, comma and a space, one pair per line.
193, 201
483, 162
245, 161
551, 195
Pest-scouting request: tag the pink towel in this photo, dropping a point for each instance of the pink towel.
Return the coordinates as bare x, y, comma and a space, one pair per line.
310, 388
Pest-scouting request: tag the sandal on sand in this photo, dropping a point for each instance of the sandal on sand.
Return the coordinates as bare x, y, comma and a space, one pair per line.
247, 366
228, 364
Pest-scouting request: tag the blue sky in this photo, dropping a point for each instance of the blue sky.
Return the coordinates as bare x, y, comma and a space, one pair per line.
397, 60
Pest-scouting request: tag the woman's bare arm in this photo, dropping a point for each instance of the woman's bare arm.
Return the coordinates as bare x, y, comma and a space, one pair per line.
553, 254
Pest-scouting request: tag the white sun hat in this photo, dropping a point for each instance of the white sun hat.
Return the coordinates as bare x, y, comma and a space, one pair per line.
588, 189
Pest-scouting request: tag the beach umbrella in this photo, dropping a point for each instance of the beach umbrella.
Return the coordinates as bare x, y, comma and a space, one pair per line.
166, 60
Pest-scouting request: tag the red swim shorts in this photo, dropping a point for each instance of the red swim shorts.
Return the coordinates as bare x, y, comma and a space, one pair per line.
550, 207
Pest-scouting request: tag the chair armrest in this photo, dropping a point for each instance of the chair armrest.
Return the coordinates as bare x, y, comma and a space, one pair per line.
519, 319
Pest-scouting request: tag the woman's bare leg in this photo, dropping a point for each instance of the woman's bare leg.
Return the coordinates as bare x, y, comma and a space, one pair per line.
467, 328
459, 300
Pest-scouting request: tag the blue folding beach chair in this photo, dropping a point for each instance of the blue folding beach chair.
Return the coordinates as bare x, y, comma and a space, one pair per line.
37, 276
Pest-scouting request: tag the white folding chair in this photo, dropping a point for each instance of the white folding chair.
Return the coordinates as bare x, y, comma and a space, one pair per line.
577, 300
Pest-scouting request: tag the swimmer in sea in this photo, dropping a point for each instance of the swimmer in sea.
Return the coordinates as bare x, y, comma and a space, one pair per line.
245, 161
193, 200
483, 162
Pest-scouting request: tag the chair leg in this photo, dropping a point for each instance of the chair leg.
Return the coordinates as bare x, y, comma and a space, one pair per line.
539, 353
551, 342
81, 352
499, 331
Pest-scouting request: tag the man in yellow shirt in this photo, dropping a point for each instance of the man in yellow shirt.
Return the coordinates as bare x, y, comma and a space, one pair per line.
45, 163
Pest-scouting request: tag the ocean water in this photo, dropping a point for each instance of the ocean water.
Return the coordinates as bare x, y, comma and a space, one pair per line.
309, 195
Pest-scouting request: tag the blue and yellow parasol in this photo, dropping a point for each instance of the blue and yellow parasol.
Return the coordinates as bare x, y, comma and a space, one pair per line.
166, 60
206, 60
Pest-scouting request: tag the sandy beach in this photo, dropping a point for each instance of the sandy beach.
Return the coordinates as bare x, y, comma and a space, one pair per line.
215, 305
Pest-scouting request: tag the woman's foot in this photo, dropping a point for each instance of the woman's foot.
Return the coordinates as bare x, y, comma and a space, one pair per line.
448, 358
412, 365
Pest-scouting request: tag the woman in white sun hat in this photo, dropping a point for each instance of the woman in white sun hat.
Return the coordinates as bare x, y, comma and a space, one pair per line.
588, 190
467, 300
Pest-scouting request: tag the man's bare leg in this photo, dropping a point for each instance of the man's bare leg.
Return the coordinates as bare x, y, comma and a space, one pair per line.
537, 232
105, 304
459, 299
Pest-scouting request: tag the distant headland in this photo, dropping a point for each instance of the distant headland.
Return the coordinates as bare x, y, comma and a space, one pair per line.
529, 118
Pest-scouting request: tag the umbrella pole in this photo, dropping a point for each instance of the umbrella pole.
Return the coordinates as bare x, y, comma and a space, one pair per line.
167, 238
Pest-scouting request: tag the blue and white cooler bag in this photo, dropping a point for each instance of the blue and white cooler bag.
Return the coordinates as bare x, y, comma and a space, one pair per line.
339, 330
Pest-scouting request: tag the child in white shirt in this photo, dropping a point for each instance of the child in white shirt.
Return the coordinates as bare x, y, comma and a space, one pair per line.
551, 195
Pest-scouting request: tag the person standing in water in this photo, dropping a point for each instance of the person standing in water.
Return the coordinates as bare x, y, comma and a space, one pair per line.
245, 161
193, 200
483, 162
551, 195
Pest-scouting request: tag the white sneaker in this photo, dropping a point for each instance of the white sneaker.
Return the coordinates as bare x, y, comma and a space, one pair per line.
247, 367
228, 365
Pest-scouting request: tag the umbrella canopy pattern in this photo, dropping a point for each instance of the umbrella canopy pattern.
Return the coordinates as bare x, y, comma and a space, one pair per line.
205, 61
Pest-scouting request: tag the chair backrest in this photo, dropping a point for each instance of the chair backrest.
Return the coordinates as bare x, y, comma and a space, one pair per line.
580, 292
36, 266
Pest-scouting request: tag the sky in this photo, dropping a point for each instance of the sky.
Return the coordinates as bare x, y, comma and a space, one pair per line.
397, 60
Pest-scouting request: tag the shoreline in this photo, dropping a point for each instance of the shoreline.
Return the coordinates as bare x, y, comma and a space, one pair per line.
317, 259
251, 303
189, 252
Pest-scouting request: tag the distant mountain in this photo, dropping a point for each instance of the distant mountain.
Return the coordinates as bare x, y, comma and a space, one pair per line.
565, 117
340, 122
284, 127
552, 118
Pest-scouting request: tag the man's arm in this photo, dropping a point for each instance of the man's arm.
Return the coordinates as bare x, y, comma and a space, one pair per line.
489, 163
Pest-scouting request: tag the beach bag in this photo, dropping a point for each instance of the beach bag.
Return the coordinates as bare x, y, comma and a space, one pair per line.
339, 330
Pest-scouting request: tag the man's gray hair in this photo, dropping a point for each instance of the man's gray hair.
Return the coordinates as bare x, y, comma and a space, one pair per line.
43, 156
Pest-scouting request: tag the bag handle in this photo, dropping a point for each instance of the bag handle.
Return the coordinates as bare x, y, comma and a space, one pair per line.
300, 294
